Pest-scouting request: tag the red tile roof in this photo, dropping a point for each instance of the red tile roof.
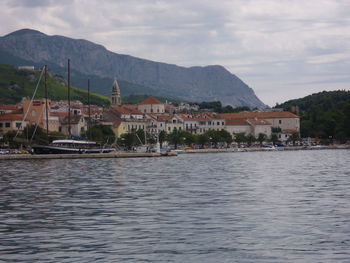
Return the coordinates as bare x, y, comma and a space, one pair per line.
120, 110
258, 122
290, 131
136, 112
260, 115
240, 122
59, 114
11, 117
150, 100
8, 107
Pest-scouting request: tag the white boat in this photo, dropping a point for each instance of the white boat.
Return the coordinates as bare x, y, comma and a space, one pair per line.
70, 147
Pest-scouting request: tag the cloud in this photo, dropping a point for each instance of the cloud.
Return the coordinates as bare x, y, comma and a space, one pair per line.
269, 44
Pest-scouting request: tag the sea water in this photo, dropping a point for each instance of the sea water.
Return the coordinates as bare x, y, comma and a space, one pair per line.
290, 206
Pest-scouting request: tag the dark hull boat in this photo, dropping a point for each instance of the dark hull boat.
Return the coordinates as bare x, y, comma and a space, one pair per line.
70, 147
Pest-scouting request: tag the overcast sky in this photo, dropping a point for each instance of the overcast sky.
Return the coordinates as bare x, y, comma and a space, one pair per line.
283, 49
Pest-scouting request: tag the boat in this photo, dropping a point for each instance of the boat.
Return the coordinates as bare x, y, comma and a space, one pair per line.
70, 147
269, 148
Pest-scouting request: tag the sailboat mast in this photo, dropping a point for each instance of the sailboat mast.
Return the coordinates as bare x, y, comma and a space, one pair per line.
47, 108
89, 122
69, 129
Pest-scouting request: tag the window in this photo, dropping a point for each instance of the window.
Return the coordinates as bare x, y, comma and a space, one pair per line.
280, 121
7, 125
174, 121
161, 125
145, 110
82, 129
33, 113
169, 129
158, 110
0, 125
218, 123
152, 110
18, 125
223, 123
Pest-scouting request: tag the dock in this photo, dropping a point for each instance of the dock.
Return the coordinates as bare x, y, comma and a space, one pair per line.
85, 156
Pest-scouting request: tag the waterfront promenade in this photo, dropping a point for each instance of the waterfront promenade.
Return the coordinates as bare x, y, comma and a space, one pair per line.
84, 156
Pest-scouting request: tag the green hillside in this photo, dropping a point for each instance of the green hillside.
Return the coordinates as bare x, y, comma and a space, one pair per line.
325, 114
16, 84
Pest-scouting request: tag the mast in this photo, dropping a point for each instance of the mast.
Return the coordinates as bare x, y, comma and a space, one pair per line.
69, 130
47, 110
89, 122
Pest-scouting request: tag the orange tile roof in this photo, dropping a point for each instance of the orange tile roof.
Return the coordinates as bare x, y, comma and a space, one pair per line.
241, 122
8, 107
164, 117
136, 111
260, 115
258, 122
150, 100
290, 131
120, 110
130, 106
11, 117
59, 114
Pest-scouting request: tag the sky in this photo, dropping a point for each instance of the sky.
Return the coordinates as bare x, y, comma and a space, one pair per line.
282, 49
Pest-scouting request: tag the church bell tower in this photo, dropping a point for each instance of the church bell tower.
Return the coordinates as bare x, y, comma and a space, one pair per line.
116, 98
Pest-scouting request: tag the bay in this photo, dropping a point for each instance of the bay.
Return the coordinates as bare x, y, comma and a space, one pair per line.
290, 206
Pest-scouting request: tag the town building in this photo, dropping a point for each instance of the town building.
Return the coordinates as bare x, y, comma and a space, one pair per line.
151, 105
116, 95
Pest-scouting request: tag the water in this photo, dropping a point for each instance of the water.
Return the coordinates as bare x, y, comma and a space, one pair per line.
223, 207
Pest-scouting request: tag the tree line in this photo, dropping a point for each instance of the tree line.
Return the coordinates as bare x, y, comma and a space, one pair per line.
324, 115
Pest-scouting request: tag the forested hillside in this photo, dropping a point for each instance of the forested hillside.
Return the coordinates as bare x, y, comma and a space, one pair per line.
16, 84
325, 115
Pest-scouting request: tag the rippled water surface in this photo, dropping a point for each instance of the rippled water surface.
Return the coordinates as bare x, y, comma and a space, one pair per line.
223, 207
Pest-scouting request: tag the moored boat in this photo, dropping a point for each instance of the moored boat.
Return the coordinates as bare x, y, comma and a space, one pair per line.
71, 147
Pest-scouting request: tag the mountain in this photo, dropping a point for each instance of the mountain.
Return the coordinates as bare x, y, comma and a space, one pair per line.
136, 76
325, 114
16, 84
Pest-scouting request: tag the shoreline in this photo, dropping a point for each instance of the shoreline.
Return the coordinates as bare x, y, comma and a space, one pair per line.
85, 156
163, 154
263, 149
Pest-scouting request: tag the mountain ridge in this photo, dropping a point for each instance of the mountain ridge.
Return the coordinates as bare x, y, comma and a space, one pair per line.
208, 83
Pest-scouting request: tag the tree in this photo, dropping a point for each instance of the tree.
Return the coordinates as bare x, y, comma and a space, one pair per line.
162, 138
189, 138
214, 137
100, 133
128, 140
226, 137
202, 139
36, 133
239, 138
294, 137
250, 139
176, 138
261, 138
274, 138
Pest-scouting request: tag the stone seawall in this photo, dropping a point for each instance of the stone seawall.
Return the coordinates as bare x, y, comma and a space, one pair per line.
84, 156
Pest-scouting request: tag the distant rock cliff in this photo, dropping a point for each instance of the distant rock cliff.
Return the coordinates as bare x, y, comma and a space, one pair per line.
141, 76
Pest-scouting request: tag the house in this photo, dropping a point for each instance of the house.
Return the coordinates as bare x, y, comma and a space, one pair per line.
124, 120
12, 122
151, 105
78, 125
262, 122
